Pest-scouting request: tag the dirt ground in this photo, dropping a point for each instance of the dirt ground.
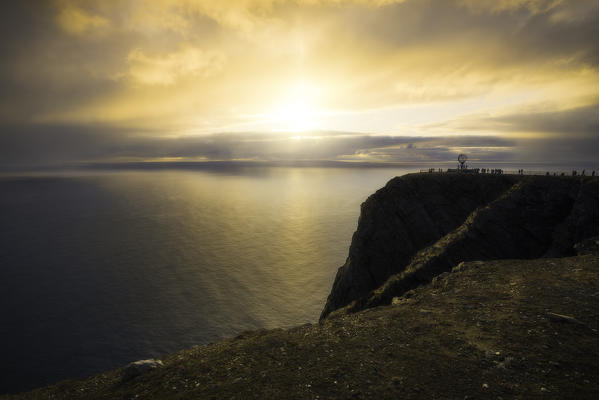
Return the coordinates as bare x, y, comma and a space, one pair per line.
509, 329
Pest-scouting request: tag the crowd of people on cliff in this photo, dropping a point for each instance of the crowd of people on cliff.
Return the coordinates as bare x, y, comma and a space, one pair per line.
583, 173
499, 171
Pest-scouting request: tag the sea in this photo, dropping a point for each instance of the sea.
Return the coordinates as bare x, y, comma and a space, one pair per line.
99, 268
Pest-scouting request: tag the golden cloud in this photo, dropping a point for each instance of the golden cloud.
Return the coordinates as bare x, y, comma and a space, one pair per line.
75, 20
384, 65
166, 69
149, 15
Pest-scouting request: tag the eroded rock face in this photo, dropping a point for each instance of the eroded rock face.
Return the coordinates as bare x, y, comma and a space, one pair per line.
419, 226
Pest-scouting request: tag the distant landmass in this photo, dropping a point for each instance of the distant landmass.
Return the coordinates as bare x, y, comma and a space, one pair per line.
456, 286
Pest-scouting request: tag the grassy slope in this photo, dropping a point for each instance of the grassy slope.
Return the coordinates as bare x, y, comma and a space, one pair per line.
482, 331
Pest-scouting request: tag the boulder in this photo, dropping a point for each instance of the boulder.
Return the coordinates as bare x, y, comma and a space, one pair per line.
140, 367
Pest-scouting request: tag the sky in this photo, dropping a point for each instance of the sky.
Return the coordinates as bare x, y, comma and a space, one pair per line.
268, 80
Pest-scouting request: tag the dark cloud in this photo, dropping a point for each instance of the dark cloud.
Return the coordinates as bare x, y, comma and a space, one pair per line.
56, 145
579, 122
572, 152
489, 35
51, 146
27, 145
563, 33
42, 69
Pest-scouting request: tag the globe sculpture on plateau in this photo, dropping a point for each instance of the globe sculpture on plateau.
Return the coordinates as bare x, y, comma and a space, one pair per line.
462, 158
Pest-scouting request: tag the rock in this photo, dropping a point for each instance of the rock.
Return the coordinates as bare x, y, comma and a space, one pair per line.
588, 246
439, 280
397, 381
506, 363
490, 354
563, 318
140, 367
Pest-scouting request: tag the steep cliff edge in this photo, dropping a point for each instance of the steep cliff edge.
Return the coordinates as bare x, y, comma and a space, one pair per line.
422, 225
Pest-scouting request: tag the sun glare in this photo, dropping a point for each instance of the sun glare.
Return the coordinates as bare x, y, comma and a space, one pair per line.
297, 109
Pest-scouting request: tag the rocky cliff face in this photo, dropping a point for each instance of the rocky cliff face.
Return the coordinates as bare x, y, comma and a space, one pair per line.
421, 225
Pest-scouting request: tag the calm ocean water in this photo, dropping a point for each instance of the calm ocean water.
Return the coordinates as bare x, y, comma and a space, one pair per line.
100, 269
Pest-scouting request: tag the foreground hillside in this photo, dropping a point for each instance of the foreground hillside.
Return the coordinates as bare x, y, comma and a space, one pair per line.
496, 329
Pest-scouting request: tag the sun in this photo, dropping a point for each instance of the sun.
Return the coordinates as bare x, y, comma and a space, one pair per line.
295, 116
297, 110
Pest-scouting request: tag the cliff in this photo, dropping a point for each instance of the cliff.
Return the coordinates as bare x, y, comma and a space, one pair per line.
422, 225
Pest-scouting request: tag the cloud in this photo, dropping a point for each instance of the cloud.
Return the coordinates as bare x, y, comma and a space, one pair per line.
42, 146
578, 122
159, 70
54, 145
167, 69
536, 6
581, 122
76, 21
178, 15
